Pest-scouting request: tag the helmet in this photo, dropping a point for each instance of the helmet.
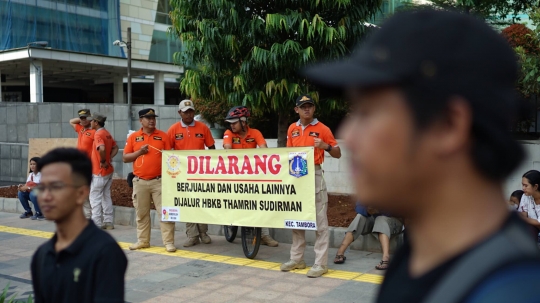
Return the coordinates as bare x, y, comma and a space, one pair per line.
238, 112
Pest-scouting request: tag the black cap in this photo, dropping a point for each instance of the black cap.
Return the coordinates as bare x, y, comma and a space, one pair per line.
147, 112
434, 49
84, 112
303, 100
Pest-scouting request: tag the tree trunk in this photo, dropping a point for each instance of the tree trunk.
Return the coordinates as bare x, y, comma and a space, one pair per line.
283, 126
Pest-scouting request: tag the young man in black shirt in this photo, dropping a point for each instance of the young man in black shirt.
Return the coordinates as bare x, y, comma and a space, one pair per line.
81, 263
433, 95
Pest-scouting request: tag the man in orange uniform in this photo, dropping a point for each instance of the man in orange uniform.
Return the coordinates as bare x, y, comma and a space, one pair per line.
85, 142
104, 149
308, 131
189, 134
242, 136
143, 148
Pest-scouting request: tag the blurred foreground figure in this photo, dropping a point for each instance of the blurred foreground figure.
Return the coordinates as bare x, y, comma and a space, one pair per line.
433, 96
81, 263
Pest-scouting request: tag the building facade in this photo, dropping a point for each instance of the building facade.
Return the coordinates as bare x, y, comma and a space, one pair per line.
87, 28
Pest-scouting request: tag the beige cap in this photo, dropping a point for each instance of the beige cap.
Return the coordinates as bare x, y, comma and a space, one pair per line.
98, 117
185, 105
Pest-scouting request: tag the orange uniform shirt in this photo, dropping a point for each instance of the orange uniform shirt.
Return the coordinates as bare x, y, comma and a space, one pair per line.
85, 140
147, 166
194, 136
298, 136
102, 137
252, 139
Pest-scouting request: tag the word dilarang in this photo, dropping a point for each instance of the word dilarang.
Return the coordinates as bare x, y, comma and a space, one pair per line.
232, 165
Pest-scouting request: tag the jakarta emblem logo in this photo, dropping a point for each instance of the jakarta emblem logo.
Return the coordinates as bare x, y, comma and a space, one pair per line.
298, 166
173, 166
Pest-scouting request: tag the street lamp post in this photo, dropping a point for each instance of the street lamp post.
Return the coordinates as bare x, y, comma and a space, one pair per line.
127, 45
39, 86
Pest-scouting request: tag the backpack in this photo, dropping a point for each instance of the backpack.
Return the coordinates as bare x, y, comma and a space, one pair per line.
511, 245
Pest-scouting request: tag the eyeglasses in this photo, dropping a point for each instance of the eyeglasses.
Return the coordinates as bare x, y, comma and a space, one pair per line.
53, 188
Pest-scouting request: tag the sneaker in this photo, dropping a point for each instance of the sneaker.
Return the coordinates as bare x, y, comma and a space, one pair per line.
205, 238
170, 247
191, 242
139, 245
317, 271
267, 240
288, 266
107, 225
38, 216
26, 214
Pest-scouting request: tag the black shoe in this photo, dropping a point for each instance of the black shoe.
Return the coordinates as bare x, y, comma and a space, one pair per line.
38, 216
26, 214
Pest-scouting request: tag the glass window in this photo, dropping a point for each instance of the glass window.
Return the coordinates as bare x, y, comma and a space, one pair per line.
162, 13
163, 47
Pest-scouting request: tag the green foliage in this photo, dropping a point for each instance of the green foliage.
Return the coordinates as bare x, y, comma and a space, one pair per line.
249, 51
529, 82
498, 12
4, 297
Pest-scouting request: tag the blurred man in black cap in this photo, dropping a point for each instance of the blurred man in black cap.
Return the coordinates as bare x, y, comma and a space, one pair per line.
433, 95
143, 148
85, 135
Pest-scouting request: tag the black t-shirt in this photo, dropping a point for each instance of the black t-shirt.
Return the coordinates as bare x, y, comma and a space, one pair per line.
91, 269
400, 287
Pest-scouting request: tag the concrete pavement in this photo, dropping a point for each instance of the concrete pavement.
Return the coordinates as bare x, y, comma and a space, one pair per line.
217, 272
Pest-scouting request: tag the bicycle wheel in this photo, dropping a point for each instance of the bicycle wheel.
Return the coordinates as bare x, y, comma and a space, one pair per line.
251, 240
230, 232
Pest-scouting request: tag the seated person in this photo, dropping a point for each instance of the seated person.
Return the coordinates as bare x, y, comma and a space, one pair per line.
370, 221
25, 193
515, 199
529, 206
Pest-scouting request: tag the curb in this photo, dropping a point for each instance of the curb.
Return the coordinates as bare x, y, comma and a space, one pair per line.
126, 216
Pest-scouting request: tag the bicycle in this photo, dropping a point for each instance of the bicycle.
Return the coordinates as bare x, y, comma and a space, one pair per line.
251, 238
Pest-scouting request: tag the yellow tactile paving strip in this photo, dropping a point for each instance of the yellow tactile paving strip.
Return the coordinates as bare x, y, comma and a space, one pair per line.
335, 274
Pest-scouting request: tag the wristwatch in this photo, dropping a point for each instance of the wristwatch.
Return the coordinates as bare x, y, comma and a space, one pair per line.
329, 148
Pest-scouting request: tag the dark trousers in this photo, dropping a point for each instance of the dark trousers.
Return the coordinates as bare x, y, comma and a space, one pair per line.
24, 197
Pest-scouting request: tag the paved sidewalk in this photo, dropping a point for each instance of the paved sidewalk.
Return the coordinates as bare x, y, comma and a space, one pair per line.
217, 272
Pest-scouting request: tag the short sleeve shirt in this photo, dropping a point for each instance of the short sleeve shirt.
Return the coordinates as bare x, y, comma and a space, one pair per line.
528, 205
252, 139
33, 179
187, 137
85, 139
298, 136
147, 166
102, 137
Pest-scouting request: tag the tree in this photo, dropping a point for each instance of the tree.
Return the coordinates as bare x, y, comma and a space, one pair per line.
497, 12
519, 35
249, 51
